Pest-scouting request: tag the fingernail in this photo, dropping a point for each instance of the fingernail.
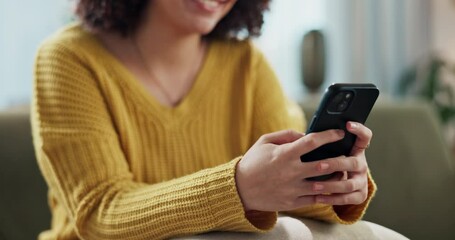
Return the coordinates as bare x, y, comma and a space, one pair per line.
353, 125
323, 166
318, 187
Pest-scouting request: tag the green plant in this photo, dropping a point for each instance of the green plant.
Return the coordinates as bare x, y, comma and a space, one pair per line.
426, 81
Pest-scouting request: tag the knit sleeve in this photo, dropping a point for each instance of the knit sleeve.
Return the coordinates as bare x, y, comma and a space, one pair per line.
81, 158
273, 111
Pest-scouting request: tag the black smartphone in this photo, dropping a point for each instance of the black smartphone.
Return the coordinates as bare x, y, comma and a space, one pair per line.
342, 102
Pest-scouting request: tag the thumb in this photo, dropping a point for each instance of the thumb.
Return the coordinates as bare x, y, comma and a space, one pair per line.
281, 137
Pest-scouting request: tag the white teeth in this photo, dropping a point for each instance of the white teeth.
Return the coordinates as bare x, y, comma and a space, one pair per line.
210, 3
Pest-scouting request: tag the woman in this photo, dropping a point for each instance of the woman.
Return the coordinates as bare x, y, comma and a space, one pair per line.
142, 114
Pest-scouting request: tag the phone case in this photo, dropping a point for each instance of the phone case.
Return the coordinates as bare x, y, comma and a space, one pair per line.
327, 117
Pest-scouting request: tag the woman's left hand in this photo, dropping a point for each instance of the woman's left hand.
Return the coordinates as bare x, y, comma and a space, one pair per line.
353, 188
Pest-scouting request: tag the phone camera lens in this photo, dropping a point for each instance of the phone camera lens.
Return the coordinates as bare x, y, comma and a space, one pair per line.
342, 106
341, 102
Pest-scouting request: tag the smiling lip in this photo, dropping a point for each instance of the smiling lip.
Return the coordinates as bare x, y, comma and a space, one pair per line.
210, 6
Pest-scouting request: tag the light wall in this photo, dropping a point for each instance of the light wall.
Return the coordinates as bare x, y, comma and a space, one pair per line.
282, 35
23, 26
443, 28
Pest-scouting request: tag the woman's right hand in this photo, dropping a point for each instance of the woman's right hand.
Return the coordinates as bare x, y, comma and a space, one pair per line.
271, 176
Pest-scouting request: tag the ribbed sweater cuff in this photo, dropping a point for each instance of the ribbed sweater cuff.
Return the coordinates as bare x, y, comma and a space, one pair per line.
226, 204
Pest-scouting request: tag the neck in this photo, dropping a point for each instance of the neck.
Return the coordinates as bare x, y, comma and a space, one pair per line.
164, 44
170, 57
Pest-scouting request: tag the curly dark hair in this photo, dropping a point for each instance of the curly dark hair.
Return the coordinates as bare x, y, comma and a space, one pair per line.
245, 18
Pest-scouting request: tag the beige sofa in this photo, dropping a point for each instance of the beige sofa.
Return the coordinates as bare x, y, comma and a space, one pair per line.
408, 159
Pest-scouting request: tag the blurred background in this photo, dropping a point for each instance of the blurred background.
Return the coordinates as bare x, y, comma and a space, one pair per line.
365, 40
405, 47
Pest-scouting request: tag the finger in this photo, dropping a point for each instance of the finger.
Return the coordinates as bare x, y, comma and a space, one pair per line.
312, 141
318, 168
353, 198
305, 201
363, 134
357, 183
281, 137
337, 176
331, 165
298, 194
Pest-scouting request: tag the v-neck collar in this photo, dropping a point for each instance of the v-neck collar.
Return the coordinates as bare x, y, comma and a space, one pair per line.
139, 91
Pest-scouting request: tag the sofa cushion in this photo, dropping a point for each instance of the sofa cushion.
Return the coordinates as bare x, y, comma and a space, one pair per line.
23, 192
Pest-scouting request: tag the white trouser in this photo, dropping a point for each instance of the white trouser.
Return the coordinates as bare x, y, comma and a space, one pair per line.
288, 228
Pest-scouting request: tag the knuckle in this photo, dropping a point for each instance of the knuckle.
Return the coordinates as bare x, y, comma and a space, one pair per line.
311, 141
276, 154
369, 133
290, 132
261, 139
359, 164
350, 186
338, 163
264, 138
363, 166
355, 164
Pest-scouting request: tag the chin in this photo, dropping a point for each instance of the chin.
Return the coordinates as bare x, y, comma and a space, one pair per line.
203, 27
203, 15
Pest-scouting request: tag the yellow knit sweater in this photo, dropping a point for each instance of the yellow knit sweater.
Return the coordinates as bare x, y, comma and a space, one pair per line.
119, 165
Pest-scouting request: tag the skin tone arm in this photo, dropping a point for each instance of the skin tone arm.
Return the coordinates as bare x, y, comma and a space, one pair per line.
271, 177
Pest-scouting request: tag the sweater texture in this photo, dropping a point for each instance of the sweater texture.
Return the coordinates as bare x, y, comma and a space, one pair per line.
120, 165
